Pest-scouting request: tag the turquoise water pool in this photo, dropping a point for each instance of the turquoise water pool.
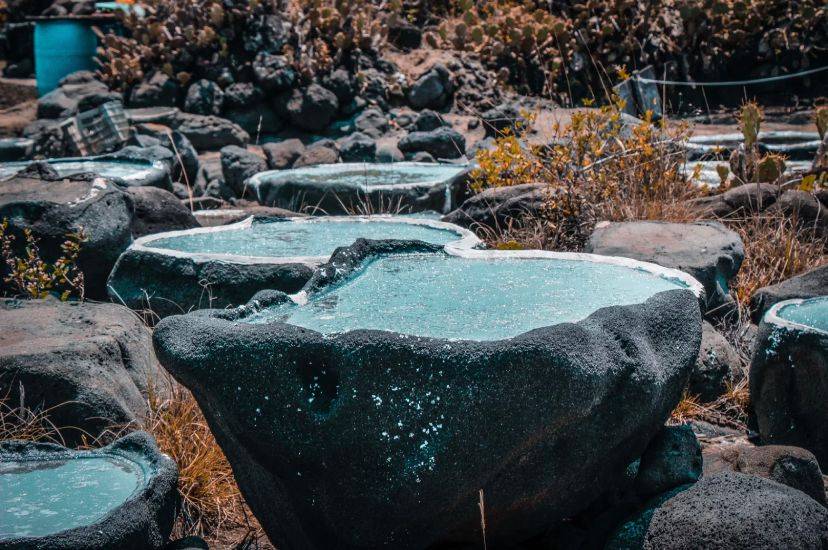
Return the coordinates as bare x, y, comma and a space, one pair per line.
811, 313
445, 296
365, 174
117, 169
40, 498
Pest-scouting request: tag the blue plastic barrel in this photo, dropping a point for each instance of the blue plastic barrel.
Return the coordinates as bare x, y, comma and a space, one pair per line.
62, 46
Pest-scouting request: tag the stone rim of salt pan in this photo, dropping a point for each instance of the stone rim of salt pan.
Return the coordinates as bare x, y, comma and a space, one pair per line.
774, 315
276, 176
465, 238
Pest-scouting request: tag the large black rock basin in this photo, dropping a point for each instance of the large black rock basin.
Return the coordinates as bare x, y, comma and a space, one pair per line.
349, 188
144, 520
170, 280
789, 376
372, 439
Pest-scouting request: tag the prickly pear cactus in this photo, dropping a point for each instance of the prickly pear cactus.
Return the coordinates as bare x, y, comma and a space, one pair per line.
749, 122
821, 158
822, 121
769, 169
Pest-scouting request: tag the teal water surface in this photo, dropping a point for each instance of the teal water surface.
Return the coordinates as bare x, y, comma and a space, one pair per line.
443, 296
811, 313
39, 498
367, 175
288, 239
119, 169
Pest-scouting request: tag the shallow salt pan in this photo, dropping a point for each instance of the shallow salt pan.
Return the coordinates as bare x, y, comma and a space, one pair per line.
469, 298
123, 170
43, 497
364, 175
810, 313
291, 238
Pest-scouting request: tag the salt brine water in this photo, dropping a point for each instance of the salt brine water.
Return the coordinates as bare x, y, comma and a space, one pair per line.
281, 239
444, 296
123, 170
43, 497
811, 313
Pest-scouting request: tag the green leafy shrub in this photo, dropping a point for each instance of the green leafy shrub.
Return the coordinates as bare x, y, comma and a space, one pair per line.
29, 275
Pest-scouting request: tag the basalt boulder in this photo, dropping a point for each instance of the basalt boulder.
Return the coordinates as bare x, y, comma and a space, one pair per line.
727, 510
440, 143
493, 207
52, 207
208, 132
157, 210
89, 365
238, 164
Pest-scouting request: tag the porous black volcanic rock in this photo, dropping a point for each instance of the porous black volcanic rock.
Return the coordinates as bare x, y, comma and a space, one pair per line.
273, 72
388, 153
404, 35
673, 458
729, 510
357, 147
155, 91
69, 99
143, 521
281, 155
739, 201
204, 97
209, 133
441, 143
543, 422
726, 510
238, 164
500, 119
342, 84
803, 207
311, 108
708, 251
789, 385
157, 210
432, 90
717, 366
186, 157
323, 151
428, 120
495, 205
791, 466
806, 285
89, 364
372, 122
245, 104
51, 207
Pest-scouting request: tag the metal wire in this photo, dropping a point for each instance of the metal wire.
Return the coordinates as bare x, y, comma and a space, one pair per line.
731, 82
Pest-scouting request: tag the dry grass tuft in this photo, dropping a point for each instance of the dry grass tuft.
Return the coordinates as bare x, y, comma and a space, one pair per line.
775, 249
730, 409
211, 501
19, 422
